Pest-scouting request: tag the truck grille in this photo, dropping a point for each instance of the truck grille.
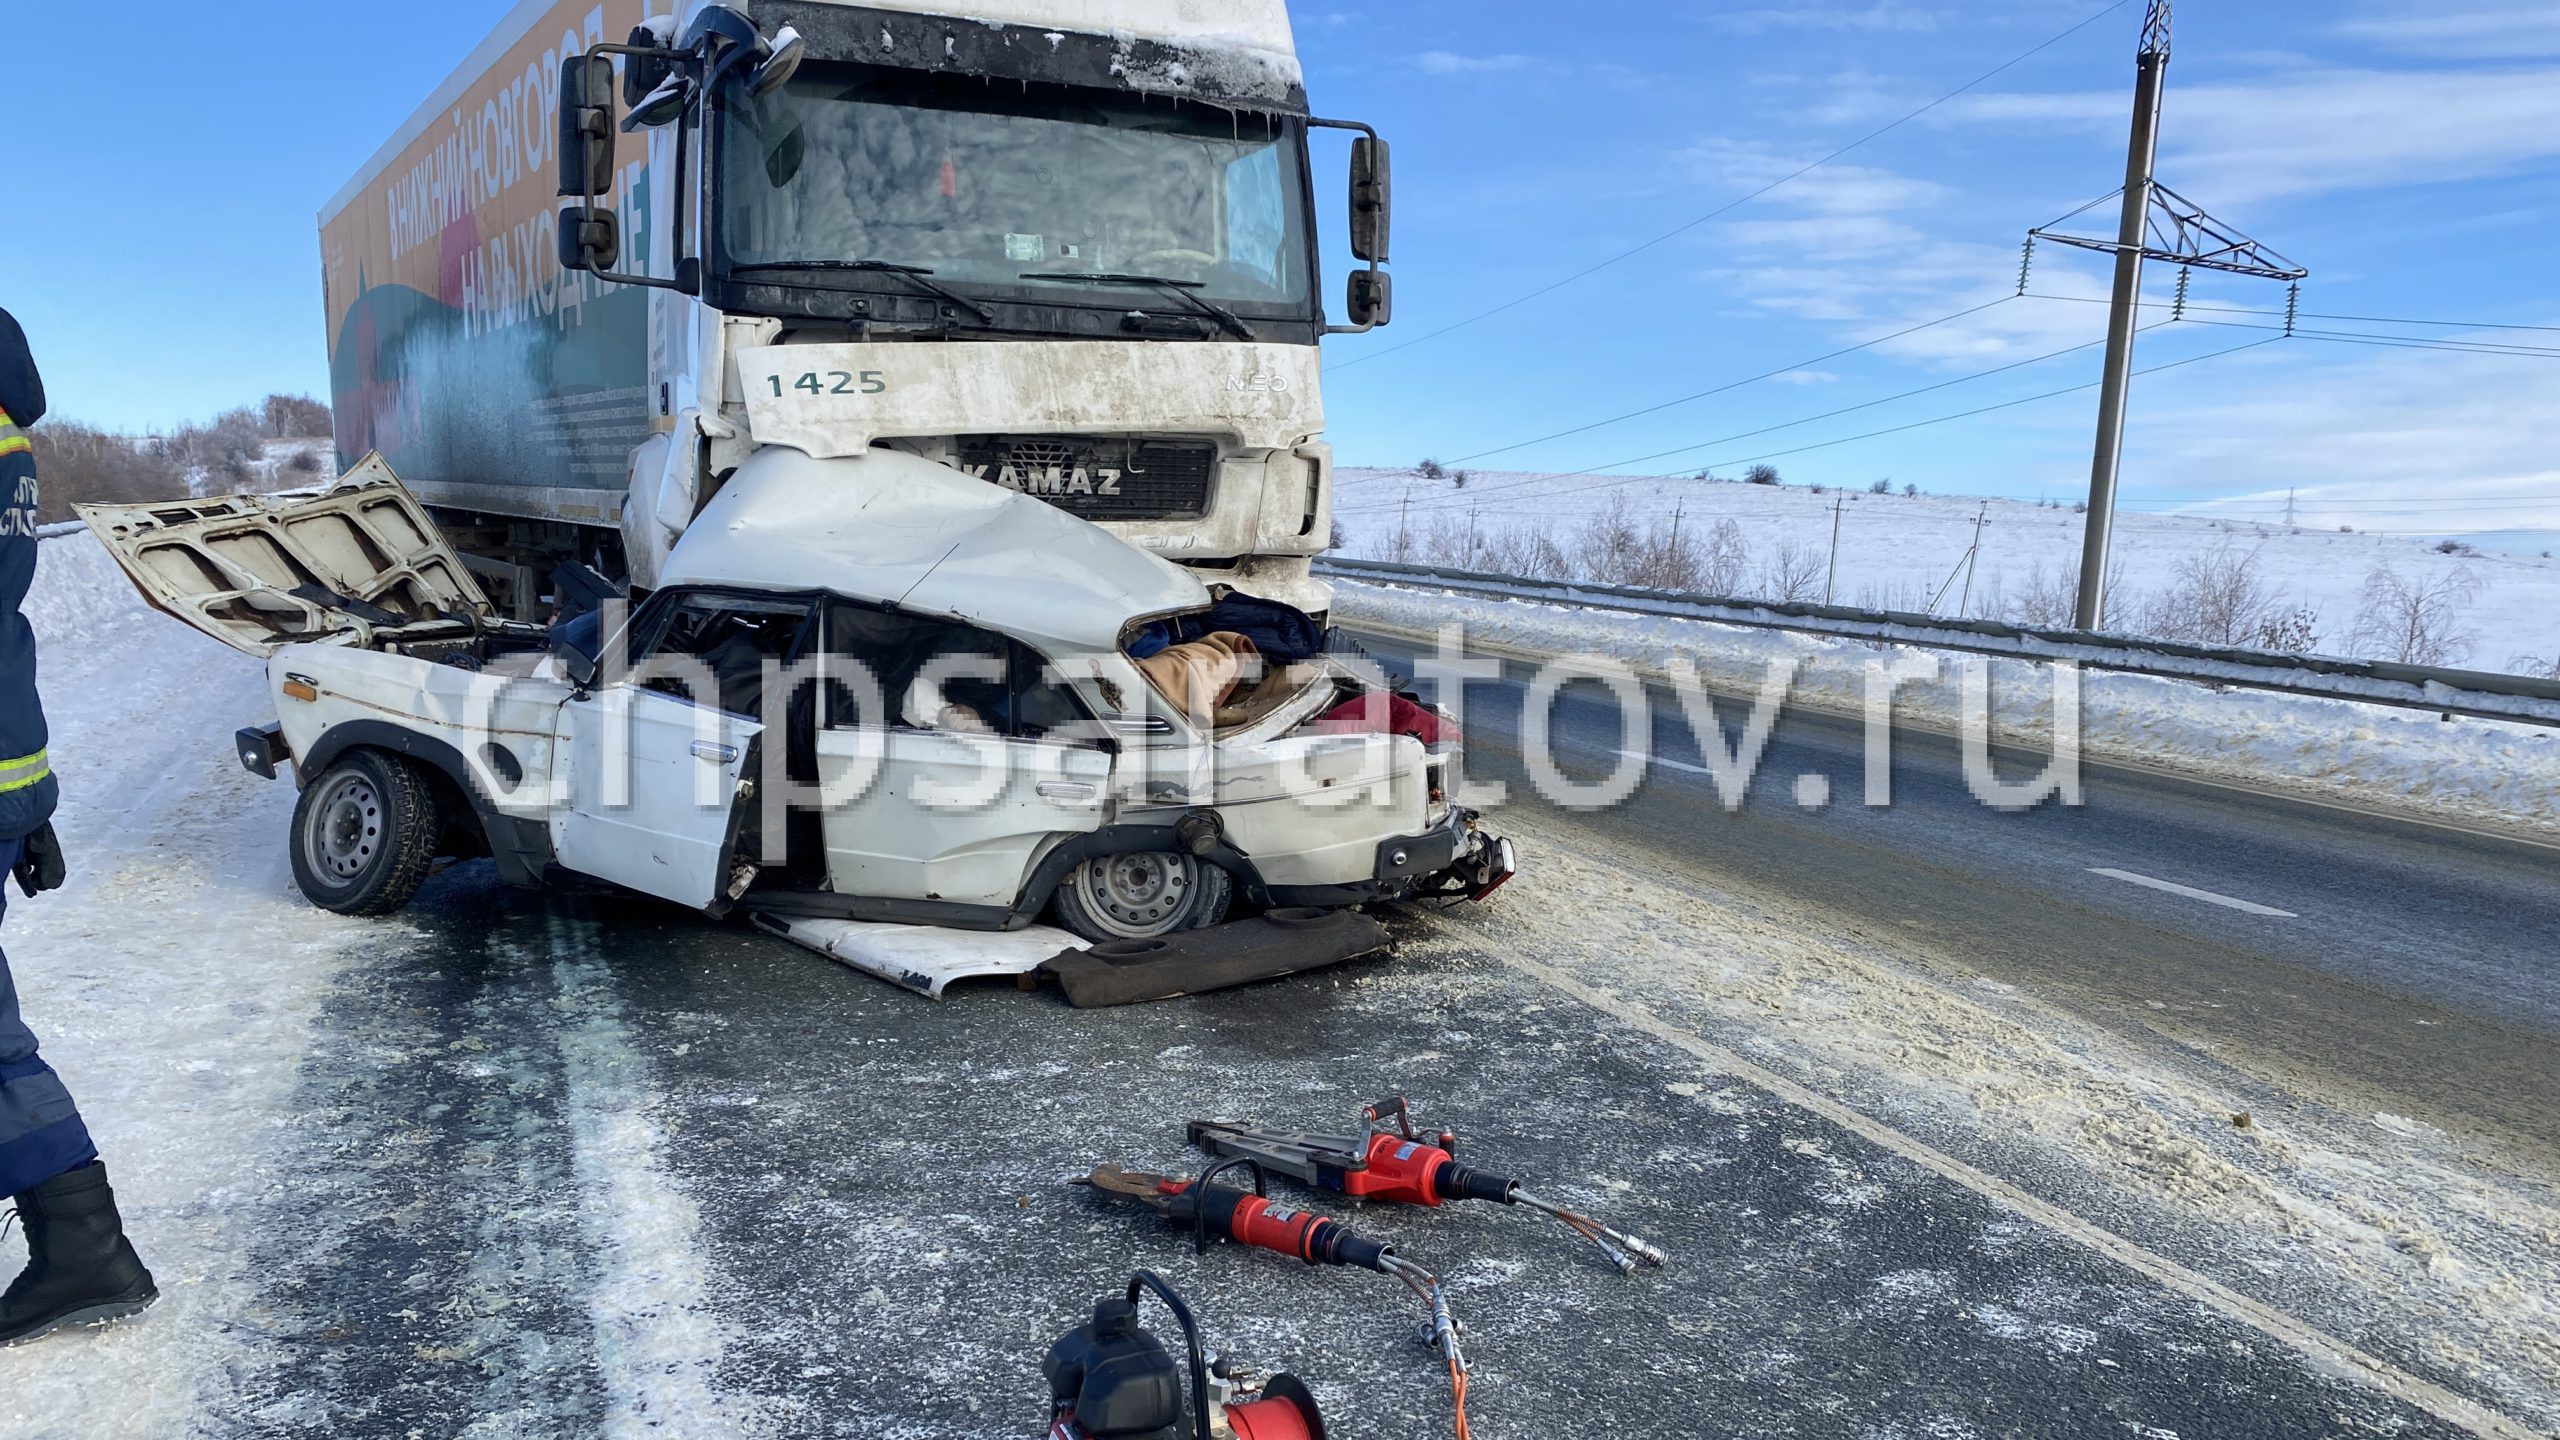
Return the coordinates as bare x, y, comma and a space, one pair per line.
1099, 478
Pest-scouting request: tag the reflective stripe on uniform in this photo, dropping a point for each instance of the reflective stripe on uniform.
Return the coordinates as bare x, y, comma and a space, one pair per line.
19, 774
13, 440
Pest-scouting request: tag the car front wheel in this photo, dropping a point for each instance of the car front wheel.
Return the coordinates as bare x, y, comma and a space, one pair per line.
364, 834
1143, 896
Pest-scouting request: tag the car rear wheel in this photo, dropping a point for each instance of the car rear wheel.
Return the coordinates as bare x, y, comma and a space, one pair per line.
364, 834
1142, 896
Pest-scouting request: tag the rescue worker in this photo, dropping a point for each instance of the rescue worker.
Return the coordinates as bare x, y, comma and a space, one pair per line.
80, 1268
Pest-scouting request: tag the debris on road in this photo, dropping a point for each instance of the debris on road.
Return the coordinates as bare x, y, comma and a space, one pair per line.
1194, 962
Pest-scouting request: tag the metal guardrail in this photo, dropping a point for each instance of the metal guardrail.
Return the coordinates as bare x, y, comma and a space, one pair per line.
60, 528
2475, 693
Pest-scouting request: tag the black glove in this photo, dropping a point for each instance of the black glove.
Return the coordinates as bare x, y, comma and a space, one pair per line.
40, 866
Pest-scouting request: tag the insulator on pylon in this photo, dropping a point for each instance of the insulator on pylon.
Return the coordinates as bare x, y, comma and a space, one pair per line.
2185, 274
2026, 262
2292, 306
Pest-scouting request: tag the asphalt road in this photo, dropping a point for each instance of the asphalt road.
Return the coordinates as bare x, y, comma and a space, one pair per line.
2414, 971
572, 1166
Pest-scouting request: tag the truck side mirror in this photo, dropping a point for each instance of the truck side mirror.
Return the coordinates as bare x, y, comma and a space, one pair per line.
590, 238
586, 126
1372, 199
1372, 301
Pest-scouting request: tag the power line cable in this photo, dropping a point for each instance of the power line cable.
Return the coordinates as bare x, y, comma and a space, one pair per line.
1737, 384
2304, 314
1457, 500
1722, 210
1826, 415
2404, 342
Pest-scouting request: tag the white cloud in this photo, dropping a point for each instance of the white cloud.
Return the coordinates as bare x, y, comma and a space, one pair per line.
1807, 377
2383, 440
1448, 62
1832, 190
2515, 30
1887, 15
2325, 131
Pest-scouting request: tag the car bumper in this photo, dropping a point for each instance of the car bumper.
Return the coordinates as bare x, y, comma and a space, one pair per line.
1453, 859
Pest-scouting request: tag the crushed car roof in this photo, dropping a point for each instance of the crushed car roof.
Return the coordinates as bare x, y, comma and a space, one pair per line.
896, 529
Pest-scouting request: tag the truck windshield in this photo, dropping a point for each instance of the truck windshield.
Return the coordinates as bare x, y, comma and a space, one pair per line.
1027, 191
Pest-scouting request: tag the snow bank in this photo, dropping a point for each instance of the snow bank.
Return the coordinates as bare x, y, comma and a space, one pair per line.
174, 982
2454, 769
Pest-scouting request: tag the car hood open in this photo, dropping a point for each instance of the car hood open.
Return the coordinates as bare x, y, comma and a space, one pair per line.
356, 563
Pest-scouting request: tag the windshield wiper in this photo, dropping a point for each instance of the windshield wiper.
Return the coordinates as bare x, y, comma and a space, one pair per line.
916, 275
1183, 290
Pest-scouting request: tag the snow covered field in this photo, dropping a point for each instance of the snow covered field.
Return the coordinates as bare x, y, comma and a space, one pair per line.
1897, 551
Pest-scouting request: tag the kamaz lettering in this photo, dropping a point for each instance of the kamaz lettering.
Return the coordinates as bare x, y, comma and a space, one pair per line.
1050, 479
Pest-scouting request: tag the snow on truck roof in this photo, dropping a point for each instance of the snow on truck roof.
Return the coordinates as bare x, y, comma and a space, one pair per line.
896, 529
1256, 32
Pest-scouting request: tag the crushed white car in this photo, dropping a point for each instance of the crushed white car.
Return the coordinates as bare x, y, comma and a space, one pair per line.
876, 692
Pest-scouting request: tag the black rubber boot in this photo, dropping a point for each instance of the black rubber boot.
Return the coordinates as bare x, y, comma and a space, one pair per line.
80, 1268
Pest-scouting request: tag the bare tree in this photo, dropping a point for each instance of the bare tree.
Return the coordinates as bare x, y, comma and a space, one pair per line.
2288, 632
2541, 667
1761, 475
2049, 600
1431, 470
2416, 620
1724, 564
82, 463
2215, 597
1611, 543
295, 417
1793, 575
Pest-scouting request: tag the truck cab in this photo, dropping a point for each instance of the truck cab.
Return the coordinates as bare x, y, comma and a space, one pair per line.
1066, 248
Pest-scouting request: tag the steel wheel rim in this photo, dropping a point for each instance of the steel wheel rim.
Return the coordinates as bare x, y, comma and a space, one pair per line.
1138, 895
345, 834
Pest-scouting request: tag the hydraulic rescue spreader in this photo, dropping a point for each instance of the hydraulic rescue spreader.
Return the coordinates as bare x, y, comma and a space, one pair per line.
1389, 1163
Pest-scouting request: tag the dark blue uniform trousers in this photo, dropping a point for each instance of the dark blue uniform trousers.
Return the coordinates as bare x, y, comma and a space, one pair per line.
41, 1134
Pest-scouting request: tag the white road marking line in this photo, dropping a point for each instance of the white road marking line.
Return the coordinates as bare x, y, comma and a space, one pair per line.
2327, 1353
1666, 764
2192, 893
659, 1341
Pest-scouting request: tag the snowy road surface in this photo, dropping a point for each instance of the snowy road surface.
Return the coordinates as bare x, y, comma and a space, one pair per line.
517, 1165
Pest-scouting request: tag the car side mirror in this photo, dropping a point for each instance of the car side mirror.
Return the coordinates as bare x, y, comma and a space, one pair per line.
586, 126
581, 667
1372, 299
1372, 199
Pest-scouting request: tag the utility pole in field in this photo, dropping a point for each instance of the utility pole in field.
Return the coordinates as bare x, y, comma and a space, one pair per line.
2289, 497
2156, 223
1972, 557
1831, 577
2151, 76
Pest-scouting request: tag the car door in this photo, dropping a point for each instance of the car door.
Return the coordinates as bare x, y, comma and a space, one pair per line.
658, 760
924, 804
654, 790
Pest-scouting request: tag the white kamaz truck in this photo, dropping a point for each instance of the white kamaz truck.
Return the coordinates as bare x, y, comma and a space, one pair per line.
1068, 247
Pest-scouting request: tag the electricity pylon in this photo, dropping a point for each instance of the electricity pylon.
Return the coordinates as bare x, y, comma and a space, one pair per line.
2157, 223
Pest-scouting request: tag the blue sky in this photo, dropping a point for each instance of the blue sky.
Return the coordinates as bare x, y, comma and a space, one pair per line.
2408, 151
